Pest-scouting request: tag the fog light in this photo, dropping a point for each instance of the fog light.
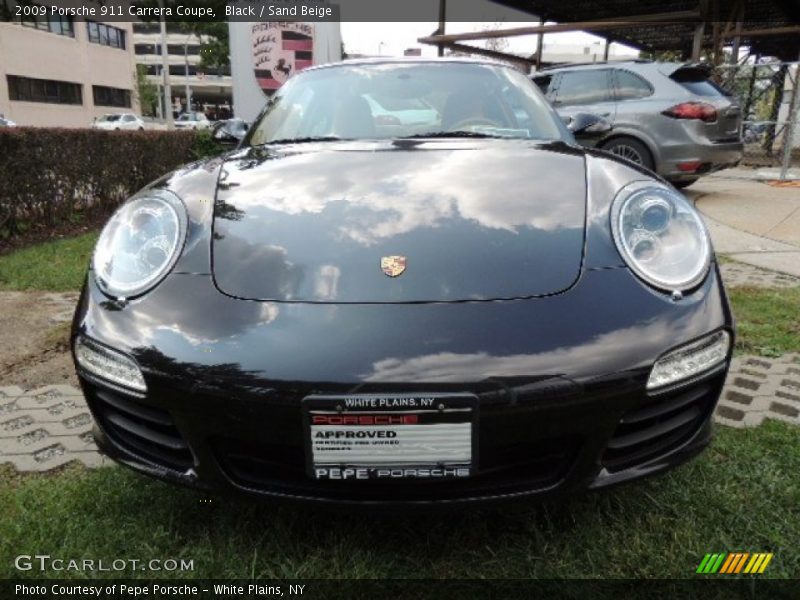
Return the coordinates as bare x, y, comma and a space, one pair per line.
690, 360
109, 364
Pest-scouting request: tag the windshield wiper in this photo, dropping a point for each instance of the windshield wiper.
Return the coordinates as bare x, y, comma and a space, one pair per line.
305, 140
452, 134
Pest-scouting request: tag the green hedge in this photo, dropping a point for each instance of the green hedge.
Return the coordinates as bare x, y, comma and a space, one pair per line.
51, 179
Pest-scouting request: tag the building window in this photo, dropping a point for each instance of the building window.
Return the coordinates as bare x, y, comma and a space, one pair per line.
28, 89
172, 49
147, 48
108, 96
105, 35
150, 28
58, 25
181, 49
181, 70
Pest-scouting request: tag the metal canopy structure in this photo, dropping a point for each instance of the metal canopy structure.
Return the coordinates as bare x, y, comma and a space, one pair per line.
767, 27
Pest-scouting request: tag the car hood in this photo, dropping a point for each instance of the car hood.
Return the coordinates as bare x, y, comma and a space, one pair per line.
472, 220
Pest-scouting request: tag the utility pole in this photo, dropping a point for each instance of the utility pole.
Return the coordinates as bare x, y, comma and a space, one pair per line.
792, 116
165, 71
442, 22
540, 45
188, 88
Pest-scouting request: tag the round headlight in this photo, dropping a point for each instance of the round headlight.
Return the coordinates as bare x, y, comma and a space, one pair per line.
660, 236
140, 244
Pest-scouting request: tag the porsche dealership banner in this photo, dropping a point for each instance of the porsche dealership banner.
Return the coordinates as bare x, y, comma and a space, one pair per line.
265, 54
280, 49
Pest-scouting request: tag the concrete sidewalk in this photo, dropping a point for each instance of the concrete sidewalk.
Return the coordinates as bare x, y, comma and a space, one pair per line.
751, 221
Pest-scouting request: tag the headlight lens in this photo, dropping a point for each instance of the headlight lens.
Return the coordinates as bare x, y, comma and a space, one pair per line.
140, 244
660, 236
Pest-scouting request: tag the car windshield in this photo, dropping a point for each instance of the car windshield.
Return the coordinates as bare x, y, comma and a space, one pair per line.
406, 100
110, 118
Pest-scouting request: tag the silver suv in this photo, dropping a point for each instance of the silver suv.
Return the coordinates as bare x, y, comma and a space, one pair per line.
669, 117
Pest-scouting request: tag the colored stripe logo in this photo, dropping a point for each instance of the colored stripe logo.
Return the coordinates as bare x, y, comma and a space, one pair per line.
734, 563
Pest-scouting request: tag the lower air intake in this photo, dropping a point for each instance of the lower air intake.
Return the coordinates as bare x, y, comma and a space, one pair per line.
661, 426
144, 431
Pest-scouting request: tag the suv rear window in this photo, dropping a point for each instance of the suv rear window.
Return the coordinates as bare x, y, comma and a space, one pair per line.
697, 82
631, 86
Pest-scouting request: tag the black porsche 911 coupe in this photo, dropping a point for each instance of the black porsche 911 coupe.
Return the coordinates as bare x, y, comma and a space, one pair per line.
407, 285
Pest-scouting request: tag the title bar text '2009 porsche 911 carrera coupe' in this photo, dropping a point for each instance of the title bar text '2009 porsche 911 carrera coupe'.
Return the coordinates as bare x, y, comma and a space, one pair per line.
407, 285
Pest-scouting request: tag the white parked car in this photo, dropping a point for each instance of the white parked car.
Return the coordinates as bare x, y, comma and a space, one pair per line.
7, 122
115, 121
194, 120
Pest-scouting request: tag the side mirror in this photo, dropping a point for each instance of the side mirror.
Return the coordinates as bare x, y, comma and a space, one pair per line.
230, 134
587, 125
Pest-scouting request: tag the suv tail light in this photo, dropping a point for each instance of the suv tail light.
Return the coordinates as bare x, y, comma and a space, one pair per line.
692, 110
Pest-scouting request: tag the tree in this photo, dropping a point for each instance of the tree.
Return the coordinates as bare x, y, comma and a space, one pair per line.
662, 55
146, 92
496, 44
214, 43
212, 35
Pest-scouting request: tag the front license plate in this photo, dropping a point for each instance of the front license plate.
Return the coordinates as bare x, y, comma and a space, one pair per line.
389, 437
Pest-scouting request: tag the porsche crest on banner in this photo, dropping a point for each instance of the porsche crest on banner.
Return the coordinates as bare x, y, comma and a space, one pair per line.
279, 49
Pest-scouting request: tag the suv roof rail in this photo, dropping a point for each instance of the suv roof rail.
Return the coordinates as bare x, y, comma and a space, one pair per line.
614, 61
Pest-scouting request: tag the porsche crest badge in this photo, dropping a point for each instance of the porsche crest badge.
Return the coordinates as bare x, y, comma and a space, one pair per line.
393, 265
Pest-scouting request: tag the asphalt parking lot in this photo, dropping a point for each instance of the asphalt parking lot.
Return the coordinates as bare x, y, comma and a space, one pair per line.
44, 422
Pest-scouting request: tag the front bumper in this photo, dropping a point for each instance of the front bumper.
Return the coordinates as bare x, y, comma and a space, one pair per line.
525, 452
560, 382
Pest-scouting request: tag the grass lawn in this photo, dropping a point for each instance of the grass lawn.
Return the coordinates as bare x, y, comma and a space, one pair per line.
768, 320
56, 266
743, 494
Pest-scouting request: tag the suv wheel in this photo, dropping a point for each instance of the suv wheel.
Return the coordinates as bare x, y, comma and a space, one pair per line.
631, 149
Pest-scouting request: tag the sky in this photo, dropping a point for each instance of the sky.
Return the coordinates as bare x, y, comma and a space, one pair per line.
391, 39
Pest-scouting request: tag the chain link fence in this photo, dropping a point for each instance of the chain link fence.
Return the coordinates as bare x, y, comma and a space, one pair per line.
769, 95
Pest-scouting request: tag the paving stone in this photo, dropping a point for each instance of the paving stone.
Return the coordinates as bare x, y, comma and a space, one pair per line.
11, 391
42, 441
736, 274
46, 428
7, 406
16, 423
760, 388
27, 463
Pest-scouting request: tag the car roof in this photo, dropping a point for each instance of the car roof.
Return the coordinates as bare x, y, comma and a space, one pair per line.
408, 60
643, 66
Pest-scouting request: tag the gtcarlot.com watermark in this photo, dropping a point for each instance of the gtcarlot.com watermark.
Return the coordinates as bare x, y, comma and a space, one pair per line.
45, 563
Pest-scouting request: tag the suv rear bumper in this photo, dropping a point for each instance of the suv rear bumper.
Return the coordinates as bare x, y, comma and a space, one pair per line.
686, 162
